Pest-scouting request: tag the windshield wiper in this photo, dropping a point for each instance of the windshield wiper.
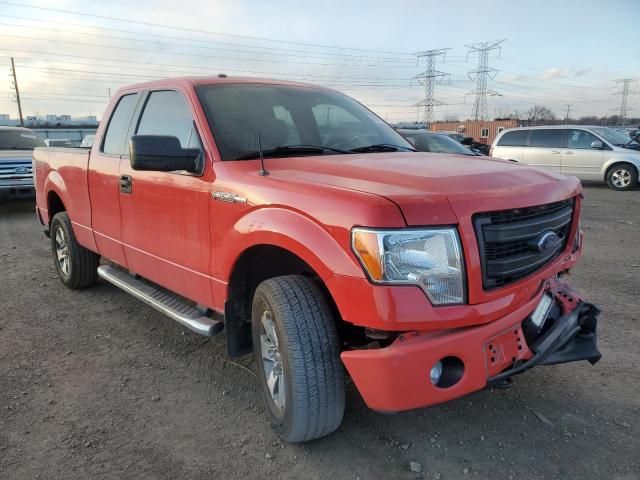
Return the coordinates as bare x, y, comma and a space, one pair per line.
381, 147
290, 150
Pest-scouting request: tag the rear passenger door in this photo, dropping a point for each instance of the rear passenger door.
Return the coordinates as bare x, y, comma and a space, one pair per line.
104, 178
579, 158
545, 148
165, 215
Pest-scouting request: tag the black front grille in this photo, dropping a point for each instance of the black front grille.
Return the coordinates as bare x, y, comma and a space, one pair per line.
508, 240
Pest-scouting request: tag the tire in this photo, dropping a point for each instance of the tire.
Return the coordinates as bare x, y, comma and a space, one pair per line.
77, 267
308, 354
622, 177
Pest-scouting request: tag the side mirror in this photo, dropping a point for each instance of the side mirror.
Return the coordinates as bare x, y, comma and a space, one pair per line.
598, 145
161, 153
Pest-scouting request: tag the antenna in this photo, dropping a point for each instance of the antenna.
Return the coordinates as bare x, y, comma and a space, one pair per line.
262, 172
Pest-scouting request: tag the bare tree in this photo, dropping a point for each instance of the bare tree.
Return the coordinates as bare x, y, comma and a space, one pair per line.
539, 114
451, 117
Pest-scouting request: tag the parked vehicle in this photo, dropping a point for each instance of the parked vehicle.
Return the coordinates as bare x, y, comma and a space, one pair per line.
59, 142
587, 152
468, 142
16, 150
323, 240
427, 141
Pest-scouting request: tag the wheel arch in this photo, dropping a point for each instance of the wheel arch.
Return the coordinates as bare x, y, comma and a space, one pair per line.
254, 265
608, 166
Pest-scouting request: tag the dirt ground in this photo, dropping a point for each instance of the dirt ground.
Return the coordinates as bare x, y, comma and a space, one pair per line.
94, 384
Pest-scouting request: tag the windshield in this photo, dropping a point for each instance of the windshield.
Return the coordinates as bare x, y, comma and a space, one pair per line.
314, 121
438, 143
613, 136
458, 137
19, 140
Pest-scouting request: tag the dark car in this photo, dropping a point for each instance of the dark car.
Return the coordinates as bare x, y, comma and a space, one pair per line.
426, 141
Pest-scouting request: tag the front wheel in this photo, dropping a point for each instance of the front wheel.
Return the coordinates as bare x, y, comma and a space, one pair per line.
297, 354
622, 177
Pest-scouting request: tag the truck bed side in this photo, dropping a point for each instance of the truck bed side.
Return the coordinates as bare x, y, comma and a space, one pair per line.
61, 184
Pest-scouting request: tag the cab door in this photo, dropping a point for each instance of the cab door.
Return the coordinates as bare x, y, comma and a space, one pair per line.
579, 158
545, 148
103, 179
165, 215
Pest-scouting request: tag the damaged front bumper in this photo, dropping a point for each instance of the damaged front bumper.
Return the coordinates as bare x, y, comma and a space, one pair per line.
397, 377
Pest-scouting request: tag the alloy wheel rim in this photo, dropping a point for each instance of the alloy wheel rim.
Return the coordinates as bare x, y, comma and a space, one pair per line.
62, 251
272, 360
621, 178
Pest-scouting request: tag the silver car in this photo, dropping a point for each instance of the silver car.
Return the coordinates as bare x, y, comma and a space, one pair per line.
16, 149
586, 152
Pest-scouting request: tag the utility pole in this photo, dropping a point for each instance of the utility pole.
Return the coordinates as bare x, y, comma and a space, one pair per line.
429, 78
15, 86
624, 96
566, 118
482, 75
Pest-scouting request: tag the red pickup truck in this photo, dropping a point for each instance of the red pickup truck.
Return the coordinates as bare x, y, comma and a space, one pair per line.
311, 231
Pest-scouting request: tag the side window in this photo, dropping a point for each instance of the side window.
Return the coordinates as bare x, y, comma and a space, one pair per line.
115, 136
517, 138
167, 113
281, 113
580, 139
552, 138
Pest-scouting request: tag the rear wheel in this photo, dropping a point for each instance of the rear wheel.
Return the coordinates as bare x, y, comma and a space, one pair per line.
622, 177
297, 351
77, 267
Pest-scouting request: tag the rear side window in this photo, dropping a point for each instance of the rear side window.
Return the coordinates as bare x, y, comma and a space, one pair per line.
517, 138
547, 138
115, 136
167, 113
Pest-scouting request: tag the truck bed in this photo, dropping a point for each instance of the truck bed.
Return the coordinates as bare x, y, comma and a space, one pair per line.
63, 172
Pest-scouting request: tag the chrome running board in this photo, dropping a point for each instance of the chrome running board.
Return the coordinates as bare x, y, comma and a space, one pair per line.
165, 302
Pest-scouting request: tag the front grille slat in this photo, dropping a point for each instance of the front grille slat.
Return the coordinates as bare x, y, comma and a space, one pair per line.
507, 240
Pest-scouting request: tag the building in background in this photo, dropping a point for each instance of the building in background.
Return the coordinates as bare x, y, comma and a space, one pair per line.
50, 121
482, 131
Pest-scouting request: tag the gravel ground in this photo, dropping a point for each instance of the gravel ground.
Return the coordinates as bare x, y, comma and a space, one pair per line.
94, 384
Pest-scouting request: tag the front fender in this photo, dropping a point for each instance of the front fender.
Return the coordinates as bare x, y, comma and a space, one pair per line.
327, 252
632, 159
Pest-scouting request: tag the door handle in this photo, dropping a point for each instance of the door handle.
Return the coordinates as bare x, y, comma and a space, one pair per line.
555, 152
125, 184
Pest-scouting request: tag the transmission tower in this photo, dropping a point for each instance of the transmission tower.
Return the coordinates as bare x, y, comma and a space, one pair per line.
481, 75
624, 96
429, 78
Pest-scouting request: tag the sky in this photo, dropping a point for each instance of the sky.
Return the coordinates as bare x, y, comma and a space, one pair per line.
70, 55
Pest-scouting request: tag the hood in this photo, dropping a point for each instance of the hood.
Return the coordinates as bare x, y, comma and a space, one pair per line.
15, 155
421, 184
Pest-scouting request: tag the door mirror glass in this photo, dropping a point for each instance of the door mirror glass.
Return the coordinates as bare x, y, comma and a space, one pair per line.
161, 153
597, 145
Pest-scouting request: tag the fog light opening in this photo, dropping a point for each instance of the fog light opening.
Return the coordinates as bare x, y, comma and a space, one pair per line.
446, 372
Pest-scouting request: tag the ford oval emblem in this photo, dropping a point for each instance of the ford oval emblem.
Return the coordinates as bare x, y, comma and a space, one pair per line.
548, 241
21, 170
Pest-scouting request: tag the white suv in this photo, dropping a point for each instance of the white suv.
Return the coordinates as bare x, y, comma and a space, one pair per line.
586, 152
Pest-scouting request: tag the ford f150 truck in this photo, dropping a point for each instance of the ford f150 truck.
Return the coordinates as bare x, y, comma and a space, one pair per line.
16, 149
311, 231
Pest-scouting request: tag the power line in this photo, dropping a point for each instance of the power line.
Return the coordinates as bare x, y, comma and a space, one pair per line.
624, 96
194, 30
481, 75
429, 78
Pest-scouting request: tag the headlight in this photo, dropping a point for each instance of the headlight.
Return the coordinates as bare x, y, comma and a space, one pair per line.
428, 258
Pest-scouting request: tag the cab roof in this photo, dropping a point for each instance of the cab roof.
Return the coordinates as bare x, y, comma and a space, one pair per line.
219, 79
